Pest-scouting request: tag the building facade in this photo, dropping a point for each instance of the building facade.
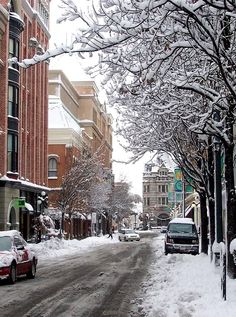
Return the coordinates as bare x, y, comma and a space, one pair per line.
95, 120
156, 183
73, 129
24, 113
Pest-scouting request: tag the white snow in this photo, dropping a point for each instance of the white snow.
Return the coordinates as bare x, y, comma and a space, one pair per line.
176, 285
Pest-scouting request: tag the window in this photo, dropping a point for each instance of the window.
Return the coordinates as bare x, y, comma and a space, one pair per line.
13, 101
42, 10
147, 201
95, 118
12, 152
163, 201
52, 167
146, 188
162, 188
14, 50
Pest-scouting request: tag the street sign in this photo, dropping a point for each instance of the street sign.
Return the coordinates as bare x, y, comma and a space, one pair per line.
178, 180
20, 202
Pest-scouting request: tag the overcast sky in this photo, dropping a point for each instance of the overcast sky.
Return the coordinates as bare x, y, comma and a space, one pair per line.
73, 68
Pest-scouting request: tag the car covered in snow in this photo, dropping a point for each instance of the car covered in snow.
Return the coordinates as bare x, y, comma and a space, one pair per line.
128, 235
181, 237
16, 257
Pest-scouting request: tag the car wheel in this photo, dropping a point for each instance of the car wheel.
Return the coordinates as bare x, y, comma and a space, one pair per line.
32, 271
12, 275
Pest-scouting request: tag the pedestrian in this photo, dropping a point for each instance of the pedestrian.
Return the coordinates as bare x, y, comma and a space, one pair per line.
110, 233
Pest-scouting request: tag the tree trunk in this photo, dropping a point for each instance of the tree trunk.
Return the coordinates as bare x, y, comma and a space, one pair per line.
211, 204
204, 224
230, 209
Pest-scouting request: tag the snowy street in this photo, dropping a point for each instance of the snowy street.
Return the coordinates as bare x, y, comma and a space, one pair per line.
100, 282
98, 277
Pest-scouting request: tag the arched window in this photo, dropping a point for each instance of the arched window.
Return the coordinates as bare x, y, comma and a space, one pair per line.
52, 167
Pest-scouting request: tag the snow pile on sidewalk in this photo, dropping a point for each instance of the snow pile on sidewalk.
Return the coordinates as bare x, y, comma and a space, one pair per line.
183, 285
56, 247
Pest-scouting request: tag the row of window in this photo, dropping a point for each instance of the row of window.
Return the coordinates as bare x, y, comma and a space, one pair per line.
161, 201
12, 157
13, 110
161, 188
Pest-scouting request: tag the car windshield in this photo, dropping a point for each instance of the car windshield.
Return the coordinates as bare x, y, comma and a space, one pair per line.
5, 243
182, 228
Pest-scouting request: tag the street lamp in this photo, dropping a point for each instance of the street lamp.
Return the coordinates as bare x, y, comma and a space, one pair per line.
42, 204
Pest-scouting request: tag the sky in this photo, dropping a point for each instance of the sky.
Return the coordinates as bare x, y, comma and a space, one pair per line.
177, 285
73, 68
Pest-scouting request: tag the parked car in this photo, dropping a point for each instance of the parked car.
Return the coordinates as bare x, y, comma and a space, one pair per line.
163, 229
181, 237
128, 235
16, 258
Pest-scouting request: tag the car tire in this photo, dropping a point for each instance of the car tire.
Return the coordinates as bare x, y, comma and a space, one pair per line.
12, 275
32, 271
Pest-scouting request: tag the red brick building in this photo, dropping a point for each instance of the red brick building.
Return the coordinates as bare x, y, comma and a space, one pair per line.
23, 112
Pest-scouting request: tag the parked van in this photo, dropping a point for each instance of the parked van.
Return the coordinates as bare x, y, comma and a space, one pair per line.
181, 237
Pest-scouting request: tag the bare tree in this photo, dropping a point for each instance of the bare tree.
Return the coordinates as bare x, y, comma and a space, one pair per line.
82, 185
122, 202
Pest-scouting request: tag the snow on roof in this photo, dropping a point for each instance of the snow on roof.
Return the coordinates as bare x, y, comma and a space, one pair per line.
60, 118
182, 220
8, 233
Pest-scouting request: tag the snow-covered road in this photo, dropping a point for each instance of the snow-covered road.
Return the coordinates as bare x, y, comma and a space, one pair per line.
96, 283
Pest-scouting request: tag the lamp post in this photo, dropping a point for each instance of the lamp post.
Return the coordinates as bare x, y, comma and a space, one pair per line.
42, 203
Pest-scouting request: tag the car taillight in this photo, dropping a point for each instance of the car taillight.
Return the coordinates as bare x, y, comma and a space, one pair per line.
4, 270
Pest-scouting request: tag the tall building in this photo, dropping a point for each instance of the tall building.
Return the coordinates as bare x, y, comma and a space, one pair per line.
24, 112
156, 182
95, 120
78, 122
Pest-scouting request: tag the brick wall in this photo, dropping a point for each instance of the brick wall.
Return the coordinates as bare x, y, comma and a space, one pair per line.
3, 86
34, 108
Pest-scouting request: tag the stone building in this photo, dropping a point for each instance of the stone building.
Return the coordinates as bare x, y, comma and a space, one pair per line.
23, 112
156, 183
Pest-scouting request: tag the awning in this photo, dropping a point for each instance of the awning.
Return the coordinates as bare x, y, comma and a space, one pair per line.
187, 210
29, 206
